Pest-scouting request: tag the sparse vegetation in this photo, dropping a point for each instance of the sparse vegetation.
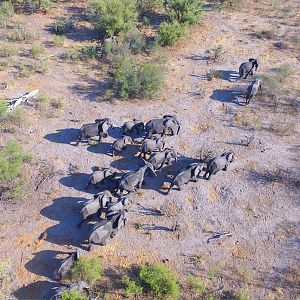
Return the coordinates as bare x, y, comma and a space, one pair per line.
6, 50
31, 66
145, 6
5, 276
216, 53
160, 280
196, 284
58, 40
73, 295
37, 50
62, 26
3, 108
265, 34
114, 16
6, 12
283, 72
87, 269
132, 289
20, 33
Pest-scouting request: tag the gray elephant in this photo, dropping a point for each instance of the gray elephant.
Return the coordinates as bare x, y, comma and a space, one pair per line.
167, 125
190, 173
99, 128
246, 68
218, 163
67, 264
103, 231
132, 181
253, 90
151, 145
80, 286
120, 144
131, 127
100, 175
162, 158
95, 205
121, 204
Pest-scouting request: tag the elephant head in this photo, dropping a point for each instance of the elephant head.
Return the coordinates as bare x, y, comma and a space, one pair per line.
254, 63
229, 156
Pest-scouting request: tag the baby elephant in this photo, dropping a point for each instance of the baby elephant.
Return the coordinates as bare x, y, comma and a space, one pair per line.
218, 163
152, 145
190, 173
253, 90
120, 144
106, 229
99, 176
67, 264
121, 204
131, 127
246, 68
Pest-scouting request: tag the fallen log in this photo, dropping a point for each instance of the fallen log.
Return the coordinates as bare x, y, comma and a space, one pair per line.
12, 104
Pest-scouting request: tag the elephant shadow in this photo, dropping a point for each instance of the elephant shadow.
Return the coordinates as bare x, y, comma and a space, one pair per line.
63, 136
65, 210
45, 263
228, 96
101, 148
133, 163
230, 76
115, 132
36, 290
77, 181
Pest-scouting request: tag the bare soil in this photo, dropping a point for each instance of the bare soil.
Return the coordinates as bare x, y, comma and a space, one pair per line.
256, 200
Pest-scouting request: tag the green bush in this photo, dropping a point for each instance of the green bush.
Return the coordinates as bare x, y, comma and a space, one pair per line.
134, 79
196, 284
160, 280
73, 295
184, 11
135, 40
169, 33
132, 289
5, 276
20, 34
37, 50
6, 12
62, 26
88, 52
114, 16
87, 269
3, 108
11, 160
6, 50
58, 40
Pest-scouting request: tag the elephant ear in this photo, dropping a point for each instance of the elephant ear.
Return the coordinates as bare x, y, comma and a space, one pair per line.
251, 59
104, 127
117, 222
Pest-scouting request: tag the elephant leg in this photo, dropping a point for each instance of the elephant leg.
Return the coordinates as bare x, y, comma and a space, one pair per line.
251, 72
195, 179
225, 168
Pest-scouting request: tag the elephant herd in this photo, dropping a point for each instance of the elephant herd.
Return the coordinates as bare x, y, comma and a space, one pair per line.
154, 155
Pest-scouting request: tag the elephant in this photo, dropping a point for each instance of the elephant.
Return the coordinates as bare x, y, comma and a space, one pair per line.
165, 157
106, 229
132, 181
67, 264
99, 128
107, 45
99, 175
246, 68
93, 206
253, 90
151, 145
121, 204
218, 163
190, 173
130, 127
168, 124
80, 286
120, 144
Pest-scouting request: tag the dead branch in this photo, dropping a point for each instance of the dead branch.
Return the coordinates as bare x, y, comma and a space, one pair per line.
17, 101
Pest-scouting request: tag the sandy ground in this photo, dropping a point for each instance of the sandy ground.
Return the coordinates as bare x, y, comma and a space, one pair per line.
257, 199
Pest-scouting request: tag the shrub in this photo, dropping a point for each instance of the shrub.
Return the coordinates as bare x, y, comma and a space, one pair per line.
37, 50
114, 16
184, 11
20, 33
161, 281
3, 108
196, 284
169, 33
6, 50
242, 295
73, 295
87, 269
43, 4
5, 266
58, 40
6, 12
62, 26
216, 53
11, 160
265, 33
135, 40
88, 52
32, 66
131, 288
134, 79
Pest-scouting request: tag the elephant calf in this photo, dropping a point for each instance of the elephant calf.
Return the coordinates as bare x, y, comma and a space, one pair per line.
99, 128
246, 68
67, 264
218, 163
131, 127
162, 158
253, 90
99, 175
120, 144
150, 146
121, 204
190, 173
103, 231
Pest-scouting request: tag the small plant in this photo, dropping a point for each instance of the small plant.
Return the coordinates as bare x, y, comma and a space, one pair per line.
88, 52
212, 74
57, 104
169, 33
242, 295
6, 50
87, 269
196, 284
135, 40
184, 11
132, 289
6, 12
37, 50
265, 33
73, 295
214, 271
16, 117
58, 40
5, 276
283, 72
114, 16
62, 26
32, 66
3, 108
20, 33
11, 160
216, 53
160, 280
